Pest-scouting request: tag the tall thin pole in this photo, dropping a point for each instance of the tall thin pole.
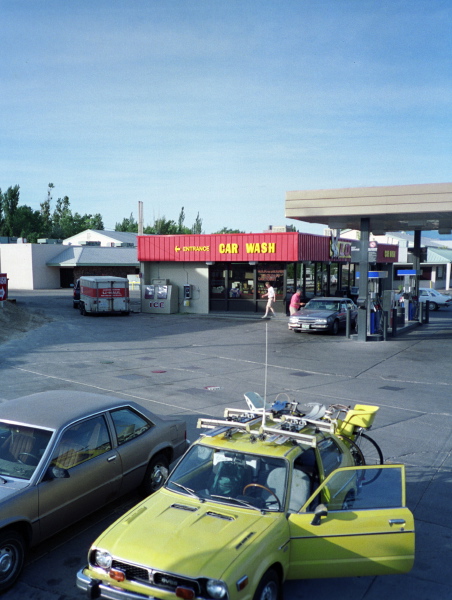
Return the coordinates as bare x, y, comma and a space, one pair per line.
265, 376
140, 218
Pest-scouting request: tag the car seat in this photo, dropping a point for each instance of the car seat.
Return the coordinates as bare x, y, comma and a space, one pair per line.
231, 478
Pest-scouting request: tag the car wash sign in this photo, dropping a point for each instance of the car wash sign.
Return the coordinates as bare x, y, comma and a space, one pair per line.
239, 247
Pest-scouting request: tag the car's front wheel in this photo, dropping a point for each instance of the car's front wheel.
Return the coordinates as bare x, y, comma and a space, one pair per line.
335, 327
269, 587
12, 556
432, 305
156, 474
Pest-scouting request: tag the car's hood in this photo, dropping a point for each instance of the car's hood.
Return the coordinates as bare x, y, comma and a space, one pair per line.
9, 487
174, 533
314, 314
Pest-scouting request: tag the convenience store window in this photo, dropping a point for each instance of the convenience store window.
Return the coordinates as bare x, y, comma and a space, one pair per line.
218, 282
274, 274
241, 281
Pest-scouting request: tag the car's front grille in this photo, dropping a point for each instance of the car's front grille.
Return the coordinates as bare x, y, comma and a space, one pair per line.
132, 572
167, 581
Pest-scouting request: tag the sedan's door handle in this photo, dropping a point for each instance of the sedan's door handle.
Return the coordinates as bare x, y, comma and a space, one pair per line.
401, 522
111, 458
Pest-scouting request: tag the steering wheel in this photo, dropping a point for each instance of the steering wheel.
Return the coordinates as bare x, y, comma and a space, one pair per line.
27, 454
259, 485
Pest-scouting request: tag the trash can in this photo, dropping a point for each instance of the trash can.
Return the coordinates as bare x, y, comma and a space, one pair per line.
400, 316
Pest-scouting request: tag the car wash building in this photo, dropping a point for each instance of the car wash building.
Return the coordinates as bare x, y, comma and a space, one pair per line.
227, 272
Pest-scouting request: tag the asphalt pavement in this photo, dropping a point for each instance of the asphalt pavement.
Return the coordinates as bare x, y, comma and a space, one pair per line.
192, 366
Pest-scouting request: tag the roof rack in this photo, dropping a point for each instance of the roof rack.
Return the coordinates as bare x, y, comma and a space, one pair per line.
284, 427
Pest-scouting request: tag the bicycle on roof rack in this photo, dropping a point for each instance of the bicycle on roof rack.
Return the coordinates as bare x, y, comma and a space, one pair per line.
351, 427
349, 424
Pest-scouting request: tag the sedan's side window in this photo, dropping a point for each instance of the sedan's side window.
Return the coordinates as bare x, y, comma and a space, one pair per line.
330, 455
82, 441
129, 424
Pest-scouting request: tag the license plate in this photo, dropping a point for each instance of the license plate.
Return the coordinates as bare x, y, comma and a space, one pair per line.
305, 325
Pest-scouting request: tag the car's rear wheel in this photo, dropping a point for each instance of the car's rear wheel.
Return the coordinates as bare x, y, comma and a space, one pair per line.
12, 556
156, 474
269, 587
432, 305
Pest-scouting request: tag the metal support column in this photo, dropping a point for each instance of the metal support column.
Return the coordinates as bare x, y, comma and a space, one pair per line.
363, 280
417, 259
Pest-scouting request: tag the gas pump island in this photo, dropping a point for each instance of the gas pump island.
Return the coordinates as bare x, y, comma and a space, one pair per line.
410, 292
377, 304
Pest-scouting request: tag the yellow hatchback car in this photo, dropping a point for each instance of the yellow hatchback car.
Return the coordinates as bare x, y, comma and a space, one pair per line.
255, 502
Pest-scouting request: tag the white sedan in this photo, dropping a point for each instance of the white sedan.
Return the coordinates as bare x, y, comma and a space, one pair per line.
435, 298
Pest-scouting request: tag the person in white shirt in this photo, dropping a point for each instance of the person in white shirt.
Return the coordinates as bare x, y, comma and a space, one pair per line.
270, 294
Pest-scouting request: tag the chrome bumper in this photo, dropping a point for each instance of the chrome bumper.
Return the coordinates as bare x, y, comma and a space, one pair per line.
95, 588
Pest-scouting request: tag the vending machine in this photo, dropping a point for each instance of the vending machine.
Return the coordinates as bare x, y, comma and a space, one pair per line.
160, 297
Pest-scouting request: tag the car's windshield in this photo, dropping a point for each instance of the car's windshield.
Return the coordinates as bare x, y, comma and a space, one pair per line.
322, 305
233, 477
21, 449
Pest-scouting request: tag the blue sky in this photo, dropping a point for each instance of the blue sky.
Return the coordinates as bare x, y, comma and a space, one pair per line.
221, 106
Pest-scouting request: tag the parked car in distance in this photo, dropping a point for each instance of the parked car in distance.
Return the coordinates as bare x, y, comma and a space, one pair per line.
250, 505
324, 314
76, 294
436, 299
64, 454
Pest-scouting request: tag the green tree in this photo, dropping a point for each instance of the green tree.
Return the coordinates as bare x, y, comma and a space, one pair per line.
180, 225
226, 230
162, 226
197, 225
9, 204
46, 216
27, 223
127, 225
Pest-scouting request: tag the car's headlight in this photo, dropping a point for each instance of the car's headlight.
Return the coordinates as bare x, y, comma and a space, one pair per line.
217, 589
102, 559
322, 320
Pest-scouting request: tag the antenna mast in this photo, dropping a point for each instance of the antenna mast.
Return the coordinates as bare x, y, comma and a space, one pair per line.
265, 376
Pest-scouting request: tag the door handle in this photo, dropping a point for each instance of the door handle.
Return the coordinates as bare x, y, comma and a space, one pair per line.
111, 458
401, 522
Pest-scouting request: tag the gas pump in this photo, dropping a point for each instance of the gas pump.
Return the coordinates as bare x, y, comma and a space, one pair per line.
373, 302
409, 298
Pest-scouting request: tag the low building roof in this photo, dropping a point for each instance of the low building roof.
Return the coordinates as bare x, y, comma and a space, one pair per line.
88, 256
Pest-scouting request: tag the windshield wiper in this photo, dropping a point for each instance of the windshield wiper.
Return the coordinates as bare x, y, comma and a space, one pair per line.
242, 502
186, 489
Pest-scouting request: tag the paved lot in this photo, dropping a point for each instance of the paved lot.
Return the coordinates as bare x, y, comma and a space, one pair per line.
197, 365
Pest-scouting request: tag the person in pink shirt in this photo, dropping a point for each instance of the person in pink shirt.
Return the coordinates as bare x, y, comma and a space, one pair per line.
295, 302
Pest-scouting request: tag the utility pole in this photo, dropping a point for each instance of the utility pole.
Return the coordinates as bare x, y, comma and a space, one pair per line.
140, 218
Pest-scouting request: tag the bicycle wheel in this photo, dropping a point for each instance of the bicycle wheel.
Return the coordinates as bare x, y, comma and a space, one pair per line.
355, 451
370, 449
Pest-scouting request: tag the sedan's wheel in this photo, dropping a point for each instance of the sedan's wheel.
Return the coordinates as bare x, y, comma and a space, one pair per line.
432, 305
12, 554
335, 328
269, 587
156, 474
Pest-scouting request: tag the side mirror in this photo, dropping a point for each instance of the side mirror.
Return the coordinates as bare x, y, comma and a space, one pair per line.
56, 473
320, 511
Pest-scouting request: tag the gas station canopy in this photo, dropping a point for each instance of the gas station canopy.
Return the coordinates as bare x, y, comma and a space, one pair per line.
422, 207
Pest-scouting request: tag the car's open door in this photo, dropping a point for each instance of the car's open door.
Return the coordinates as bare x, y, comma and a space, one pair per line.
356, 523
